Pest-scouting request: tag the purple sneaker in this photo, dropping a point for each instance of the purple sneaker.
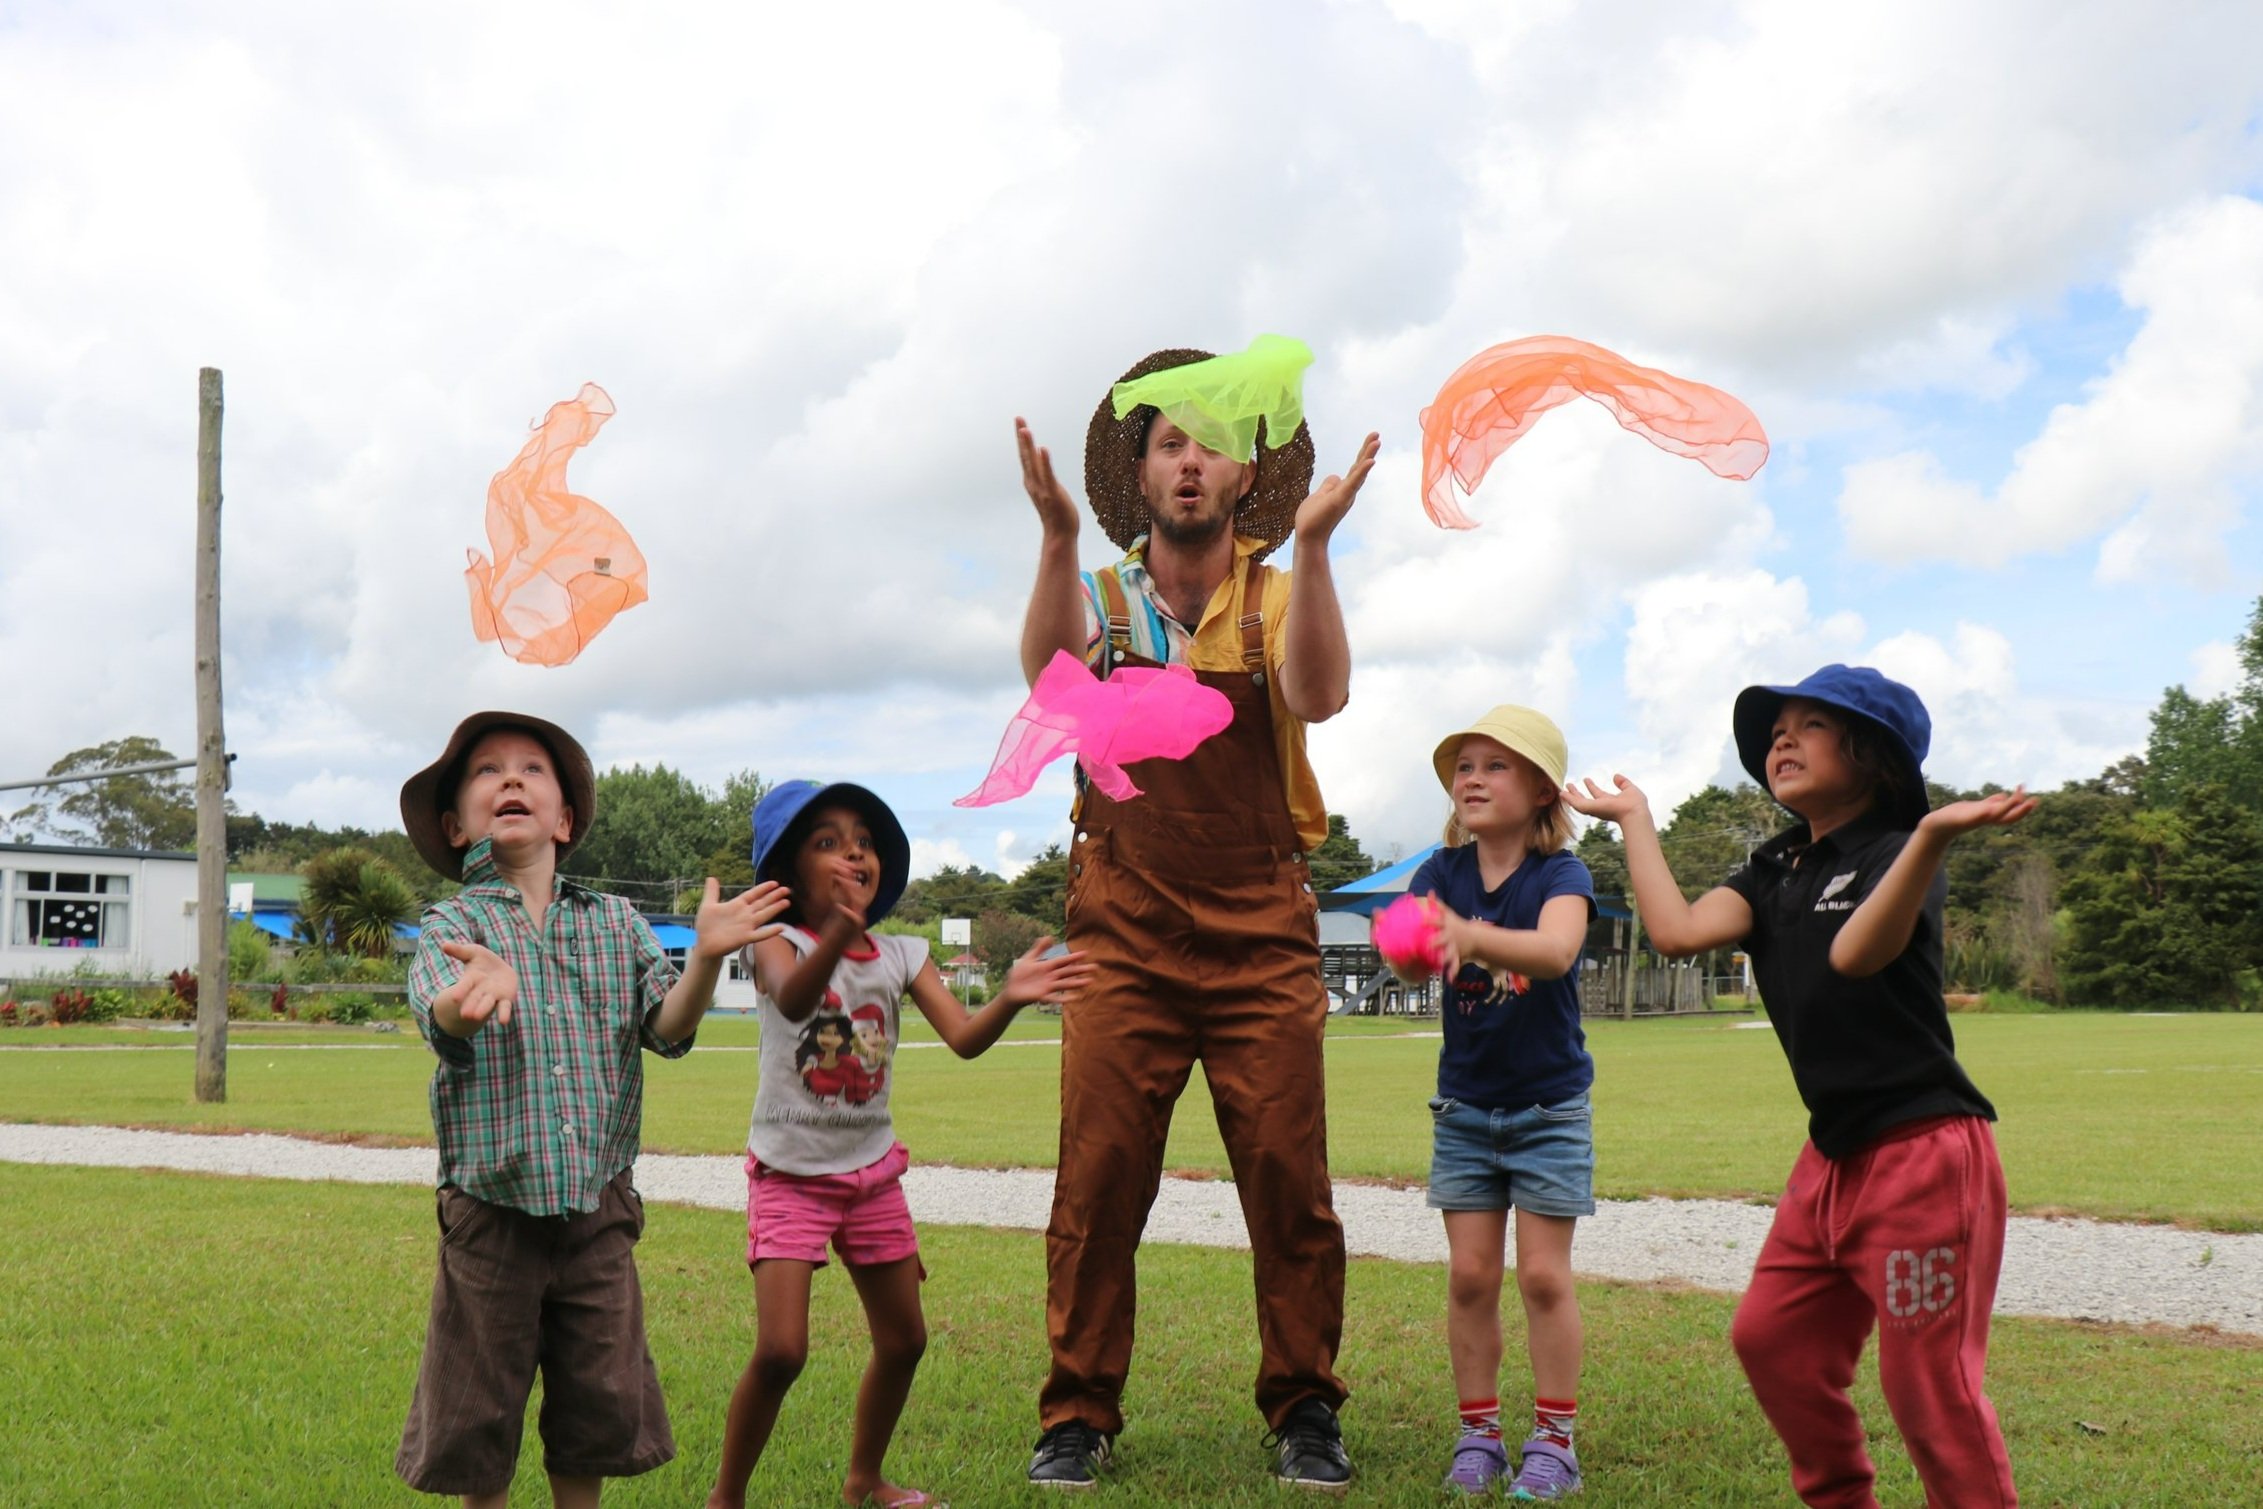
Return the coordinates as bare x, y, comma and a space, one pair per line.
1480, 1462
1549, 1471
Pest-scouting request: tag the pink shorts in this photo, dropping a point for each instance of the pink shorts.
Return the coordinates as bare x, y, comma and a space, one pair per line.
863, 1213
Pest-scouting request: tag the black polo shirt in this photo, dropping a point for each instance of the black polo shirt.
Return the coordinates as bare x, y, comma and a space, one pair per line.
1869, 1054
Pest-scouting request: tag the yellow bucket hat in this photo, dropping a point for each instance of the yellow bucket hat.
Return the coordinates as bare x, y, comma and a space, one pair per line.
1520, 730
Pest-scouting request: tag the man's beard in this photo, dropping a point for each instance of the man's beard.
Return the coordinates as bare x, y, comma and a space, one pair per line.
1188, 532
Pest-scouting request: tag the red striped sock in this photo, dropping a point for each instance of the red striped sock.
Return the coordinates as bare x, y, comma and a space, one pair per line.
1481, 1417
1555, 1418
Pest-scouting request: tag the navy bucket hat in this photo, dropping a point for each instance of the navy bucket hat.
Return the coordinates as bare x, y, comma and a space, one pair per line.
777, 815
1858, 692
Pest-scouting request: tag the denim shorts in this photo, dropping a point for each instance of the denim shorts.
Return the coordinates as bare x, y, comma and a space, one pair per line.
1540, 1158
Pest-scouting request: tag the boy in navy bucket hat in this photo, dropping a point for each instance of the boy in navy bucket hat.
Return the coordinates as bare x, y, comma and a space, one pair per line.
1894, 1215
1889, 726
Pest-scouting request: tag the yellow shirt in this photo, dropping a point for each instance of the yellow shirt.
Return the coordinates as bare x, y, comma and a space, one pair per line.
1215, 644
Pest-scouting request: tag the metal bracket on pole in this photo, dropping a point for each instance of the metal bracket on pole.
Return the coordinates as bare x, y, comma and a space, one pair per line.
154, 767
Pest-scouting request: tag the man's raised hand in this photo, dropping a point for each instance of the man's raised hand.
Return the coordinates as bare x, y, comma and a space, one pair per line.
1056, 510
722, 927
1319, 514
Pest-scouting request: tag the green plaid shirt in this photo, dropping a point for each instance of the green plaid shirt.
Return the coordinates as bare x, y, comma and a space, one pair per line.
540, 1112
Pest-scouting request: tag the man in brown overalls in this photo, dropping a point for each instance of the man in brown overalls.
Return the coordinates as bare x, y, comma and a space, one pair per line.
1194, 904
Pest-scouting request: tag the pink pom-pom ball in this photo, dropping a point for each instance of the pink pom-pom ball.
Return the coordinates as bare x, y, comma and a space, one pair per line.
1406, 934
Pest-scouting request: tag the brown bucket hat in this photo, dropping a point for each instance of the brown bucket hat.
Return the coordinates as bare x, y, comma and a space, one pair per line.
1111, 469
432, 790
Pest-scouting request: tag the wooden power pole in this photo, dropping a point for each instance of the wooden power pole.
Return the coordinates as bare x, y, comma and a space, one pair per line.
211, 760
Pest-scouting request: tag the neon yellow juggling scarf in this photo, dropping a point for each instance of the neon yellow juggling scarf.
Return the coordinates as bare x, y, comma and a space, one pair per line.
1220, 401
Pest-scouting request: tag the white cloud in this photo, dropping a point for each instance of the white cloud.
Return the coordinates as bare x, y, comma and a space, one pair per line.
2157, 452
928, 856
2216, 671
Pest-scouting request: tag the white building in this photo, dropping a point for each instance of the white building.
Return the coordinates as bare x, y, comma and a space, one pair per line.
127, 912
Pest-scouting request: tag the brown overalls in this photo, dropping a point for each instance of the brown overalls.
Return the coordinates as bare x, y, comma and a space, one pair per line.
1194, 904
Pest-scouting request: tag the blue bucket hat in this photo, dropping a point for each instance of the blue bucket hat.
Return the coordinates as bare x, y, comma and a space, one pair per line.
777, 814
1859, 692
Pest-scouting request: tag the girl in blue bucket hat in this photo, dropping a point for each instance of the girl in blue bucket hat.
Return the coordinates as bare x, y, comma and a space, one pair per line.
824, 1168
1894, 1215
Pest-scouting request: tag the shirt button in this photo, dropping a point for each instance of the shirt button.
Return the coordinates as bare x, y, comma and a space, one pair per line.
557, 1068
566, 1129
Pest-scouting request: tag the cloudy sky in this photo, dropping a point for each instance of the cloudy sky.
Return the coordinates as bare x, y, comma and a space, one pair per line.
1991, 276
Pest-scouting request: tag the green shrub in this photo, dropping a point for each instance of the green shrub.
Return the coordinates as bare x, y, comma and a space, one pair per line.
345, 1007
108, 1004
315, 967
250, 955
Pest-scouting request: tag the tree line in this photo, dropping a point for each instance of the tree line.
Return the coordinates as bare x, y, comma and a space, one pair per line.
2140, 886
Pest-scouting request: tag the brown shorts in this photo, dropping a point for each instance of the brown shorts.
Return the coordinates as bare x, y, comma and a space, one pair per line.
516, 1292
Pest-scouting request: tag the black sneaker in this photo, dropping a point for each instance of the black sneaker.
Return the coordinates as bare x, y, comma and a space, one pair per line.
1070, 1455
1311, 1446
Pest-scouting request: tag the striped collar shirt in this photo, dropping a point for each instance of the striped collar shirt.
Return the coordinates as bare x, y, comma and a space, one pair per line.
540, 1112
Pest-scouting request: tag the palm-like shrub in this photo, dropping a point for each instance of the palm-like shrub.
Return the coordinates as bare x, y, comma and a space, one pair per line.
350, 901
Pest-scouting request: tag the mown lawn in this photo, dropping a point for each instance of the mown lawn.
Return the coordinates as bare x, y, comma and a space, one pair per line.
188, 1340
2120, 1117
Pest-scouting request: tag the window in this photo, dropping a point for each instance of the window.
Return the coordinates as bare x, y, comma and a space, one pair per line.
66, 909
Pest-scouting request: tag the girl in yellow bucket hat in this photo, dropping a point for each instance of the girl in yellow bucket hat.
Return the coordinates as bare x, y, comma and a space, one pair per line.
1510, 1122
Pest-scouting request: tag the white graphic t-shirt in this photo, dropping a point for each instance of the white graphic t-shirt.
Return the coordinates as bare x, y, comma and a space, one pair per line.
821, 1104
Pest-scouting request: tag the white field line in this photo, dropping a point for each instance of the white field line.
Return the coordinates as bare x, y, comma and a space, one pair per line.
2061, 1268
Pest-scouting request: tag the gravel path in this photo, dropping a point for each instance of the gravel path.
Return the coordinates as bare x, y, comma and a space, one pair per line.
2068, 1269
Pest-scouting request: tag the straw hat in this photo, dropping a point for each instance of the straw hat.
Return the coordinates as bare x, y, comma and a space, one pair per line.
1111, 469
432, 790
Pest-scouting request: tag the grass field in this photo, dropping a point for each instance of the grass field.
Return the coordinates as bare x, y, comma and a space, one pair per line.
2113, 1116
196, 1341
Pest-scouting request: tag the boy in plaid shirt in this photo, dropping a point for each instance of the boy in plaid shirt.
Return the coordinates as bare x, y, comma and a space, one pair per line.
536, 994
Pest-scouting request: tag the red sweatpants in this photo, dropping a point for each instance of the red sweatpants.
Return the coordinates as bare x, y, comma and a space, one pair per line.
1906, 1235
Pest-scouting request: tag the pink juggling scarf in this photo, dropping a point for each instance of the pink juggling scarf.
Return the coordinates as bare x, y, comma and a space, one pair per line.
563, 566
1139, 713
1498, 394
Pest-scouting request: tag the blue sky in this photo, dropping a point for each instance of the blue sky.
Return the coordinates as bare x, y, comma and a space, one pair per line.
1991, 277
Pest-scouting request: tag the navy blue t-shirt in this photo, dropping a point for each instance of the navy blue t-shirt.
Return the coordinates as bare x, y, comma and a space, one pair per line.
1506, 1053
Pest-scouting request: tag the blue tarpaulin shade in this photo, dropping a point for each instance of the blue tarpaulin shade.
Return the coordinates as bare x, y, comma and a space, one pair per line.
674, 936
1370, 894
285, 925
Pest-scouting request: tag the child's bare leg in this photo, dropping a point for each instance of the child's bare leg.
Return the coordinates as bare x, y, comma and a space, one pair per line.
575, 1493
488, 1500
899, 1337
781, 1346
1474, 1242
1551, 1304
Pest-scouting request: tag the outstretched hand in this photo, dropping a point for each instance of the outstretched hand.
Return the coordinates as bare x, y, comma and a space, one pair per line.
722, 927
1319, 514
1622, 801
1056, 510
1998, 811
487, 988
1035, 978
